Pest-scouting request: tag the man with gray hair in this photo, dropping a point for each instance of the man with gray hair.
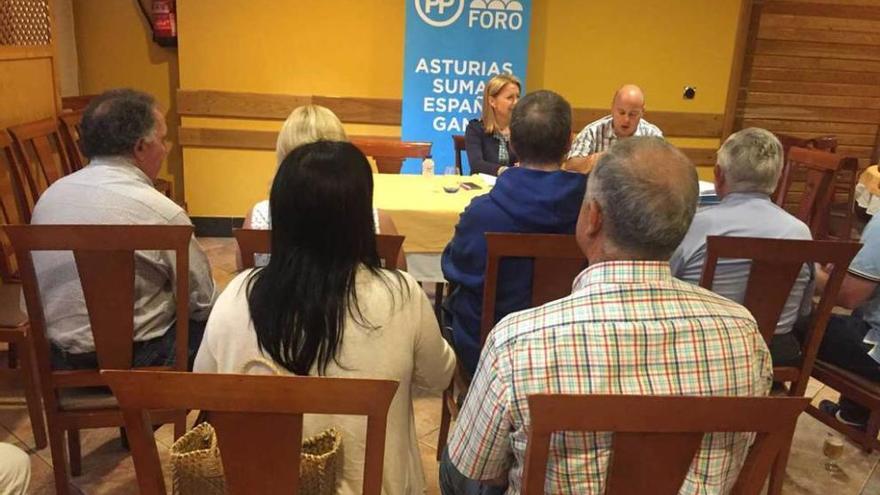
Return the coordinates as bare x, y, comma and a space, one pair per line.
123, 135
748, 169
628, 327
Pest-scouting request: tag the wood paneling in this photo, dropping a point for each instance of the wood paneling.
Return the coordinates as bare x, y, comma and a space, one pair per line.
378, 111
387, 151
205, 103
673, 124
814, 69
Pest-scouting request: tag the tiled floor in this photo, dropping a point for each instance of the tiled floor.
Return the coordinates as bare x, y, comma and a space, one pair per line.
107, 468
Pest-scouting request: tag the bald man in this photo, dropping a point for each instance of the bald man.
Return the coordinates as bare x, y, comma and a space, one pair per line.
627, 108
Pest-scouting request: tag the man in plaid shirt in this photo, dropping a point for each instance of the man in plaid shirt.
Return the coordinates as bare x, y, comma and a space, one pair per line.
628, 327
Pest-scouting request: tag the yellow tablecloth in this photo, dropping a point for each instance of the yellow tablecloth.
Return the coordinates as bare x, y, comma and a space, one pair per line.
422, 211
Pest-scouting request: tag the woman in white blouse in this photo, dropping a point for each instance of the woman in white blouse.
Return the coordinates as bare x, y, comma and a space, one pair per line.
304, 125
324, 306
308, 124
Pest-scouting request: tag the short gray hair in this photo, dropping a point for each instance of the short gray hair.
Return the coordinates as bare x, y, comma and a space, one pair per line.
115, 121
751, 160
648, 193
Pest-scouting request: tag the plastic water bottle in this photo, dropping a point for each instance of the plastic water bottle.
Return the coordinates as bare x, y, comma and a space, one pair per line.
428, 166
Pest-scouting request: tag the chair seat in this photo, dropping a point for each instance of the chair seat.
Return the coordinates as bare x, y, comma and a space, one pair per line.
11, 314
822, 370
78, 399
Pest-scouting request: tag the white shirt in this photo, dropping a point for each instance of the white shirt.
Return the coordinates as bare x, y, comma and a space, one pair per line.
112, 190
599, 135
405, 346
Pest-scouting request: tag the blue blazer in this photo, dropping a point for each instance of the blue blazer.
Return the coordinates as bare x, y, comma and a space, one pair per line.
482, 149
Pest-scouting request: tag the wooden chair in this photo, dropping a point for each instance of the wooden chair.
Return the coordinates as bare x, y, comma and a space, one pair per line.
390, 153
655, 438
70, 132
819, 171
256, 241
857, 389
459, 146
557, 261
841, 194
104, 255
42, 157
14, 328
775, 266
258, 420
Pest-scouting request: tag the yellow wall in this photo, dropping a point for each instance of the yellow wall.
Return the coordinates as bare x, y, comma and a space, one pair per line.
581, 49
115, 49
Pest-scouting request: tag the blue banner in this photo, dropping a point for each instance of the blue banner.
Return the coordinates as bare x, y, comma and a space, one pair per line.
453, 47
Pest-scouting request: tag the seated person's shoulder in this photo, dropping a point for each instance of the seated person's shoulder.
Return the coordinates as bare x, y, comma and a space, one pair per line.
474, 128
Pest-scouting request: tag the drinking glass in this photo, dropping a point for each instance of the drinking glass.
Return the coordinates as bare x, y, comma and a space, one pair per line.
451, 179
832, 449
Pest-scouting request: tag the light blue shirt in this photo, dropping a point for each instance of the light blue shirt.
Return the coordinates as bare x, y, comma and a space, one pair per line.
744, 215
866, 265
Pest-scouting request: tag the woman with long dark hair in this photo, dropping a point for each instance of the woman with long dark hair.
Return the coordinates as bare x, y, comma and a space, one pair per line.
325, 306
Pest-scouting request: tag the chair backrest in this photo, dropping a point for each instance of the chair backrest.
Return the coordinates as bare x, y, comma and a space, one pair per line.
820, 168
256, 241
104, 257
258, 421
458, 144
775, 266
42, 156
557, 261
10, 207
656, 437
390, 153
841, 194
70, 131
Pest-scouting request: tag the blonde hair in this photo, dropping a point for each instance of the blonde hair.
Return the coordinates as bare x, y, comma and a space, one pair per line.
493, 87
307, 124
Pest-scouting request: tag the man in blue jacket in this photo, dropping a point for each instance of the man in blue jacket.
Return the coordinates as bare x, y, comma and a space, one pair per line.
537, 197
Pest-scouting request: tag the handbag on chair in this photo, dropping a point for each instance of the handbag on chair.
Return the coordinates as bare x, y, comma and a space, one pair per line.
197, 469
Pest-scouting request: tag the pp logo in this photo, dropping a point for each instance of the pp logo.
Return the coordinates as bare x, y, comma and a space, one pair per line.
439, 13
496, 14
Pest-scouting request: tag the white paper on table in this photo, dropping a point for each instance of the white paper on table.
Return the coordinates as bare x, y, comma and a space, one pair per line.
489, 180
707, 188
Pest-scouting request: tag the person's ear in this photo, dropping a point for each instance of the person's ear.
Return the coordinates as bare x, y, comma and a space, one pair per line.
719, 177
568, 144
140, 148
595, 218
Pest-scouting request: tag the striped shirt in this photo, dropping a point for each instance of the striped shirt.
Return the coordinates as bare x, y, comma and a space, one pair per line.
599, 136
629, 327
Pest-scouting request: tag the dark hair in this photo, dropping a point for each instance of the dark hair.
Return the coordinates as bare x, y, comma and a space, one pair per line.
115, 120
321, 207
648, 191
540, 127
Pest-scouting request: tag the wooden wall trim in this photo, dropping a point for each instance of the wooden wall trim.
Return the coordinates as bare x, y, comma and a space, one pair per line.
264, 106
201, 137
673, 124
734, 82
389, 147
16, 52
386, 111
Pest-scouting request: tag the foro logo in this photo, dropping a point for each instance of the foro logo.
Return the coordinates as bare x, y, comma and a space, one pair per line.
439, 13
496, 14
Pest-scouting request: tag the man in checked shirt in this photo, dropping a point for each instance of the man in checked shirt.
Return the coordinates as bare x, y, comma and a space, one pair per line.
628, 327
